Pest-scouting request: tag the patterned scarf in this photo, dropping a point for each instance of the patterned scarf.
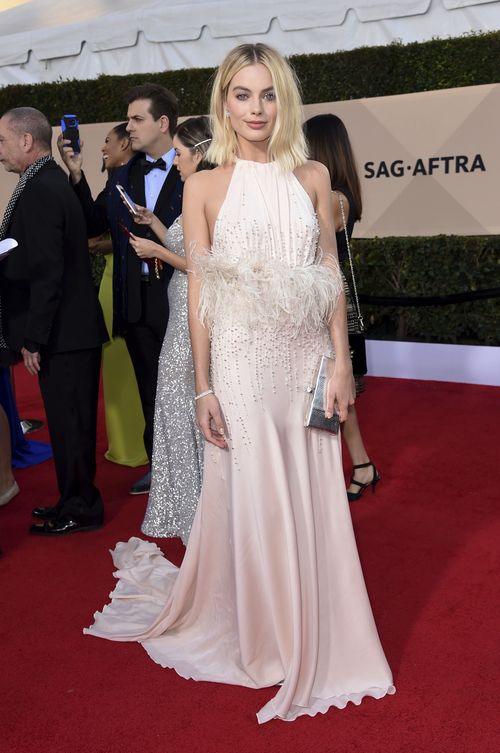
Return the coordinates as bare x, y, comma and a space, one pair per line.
9, 211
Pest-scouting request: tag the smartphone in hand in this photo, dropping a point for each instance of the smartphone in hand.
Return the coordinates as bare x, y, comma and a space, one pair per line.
129, 203
70, 130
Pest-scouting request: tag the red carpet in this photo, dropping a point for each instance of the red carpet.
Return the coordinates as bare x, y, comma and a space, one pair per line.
429, 545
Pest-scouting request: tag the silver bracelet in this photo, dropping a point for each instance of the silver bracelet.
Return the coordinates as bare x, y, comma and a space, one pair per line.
203, 394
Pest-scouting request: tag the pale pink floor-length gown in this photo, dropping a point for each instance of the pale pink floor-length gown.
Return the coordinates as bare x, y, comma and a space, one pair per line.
270, 591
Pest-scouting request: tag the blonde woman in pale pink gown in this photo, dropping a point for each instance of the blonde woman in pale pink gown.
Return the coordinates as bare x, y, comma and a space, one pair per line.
270, 592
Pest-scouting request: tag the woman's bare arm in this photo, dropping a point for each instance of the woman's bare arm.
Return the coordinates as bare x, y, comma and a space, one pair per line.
197, 241
341, 386
148, 249
144, 216
337, 212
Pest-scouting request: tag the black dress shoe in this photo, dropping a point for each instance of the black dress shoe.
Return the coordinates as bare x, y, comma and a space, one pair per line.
141, 486
30, 424
63, 525
46, 513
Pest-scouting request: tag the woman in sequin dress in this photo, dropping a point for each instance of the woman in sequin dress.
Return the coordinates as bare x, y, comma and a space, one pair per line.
270, 592
177, 463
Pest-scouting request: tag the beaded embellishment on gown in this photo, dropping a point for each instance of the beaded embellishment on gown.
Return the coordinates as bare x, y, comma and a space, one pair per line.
270, 591
178, 444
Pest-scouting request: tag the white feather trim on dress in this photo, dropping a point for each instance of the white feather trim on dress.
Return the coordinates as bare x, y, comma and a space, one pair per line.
254, 292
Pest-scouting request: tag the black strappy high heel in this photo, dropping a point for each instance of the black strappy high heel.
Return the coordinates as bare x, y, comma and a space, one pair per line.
353, 496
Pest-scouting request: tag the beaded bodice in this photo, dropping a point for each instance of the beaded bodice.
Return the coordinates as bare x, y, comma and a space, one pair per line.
267, 215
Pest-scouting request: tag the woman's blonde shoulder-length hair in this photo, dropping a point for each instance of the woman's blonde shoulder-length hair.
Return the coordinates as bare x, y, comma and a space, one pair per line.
287, 145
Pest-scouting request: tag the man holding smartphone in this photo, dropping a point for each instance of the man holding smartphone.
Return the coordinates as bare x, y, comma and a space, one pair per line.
51, 315
139, 290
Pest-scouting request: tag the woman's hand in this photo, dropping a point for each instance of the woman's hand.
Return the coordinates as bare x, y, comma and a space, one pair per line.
210, 420
72, 159
100, 245
143, 216
94, 243
145, 248
340, 391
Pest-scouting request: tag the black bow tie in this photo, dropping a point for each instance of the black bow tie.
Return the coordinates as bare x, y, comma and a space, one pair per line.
147, 166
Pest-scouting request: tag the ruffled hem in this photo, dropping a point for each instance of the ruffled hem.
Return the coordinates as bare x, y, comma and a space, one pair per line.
257, 291
269, 712
321, 705
145, 579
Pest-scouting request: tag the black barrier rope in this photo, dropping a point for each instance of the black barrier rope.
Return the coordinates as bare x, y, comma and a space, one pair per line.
432, 300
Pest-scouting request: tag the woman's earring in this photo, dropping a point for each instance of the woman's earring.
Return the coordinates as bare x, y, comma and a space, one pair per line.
226, 113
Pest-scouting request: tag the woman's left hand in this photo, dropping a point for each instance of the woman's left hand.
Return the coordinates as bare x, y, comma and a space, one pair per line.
145, 248
100, 245
143, 216
340, 391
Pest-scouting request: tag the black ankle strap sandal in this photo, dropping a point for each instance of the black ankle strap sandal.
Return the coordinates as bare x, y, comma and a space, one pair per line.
353, 496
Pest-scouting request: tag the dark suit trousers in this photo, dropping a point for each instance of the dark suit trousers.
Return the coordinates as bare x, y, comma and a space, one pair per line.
144, 340
69, 383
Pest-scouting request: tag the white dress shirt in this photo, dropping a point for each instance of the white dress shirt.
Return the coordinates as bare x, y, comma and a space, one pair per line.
153, 183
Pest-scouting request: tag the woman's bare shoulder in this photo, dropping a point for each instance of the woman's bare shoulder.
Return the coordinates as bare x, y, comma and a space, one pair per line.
197, 181
206, 180
312, 170
315, 179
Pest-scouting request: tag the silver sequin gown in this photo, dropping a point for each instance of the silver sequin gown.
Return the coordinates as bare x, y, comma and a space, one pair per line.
178, 444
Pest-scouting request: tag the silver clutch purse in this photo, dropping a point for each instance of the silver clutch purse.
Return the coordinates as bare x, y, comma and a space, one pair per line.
315, 413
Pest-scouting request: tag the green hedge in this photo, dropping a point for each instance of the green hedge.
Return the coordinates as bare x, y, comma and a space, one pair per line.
365, 72
390, 266
434, 266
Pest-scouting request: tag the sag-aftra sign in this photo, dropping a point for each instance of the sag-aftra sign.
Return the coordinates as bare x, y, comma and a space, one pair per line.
429, 163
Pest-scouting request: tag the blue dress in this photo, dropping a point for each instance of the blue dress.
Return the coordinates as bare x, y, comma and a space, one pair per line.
24, 452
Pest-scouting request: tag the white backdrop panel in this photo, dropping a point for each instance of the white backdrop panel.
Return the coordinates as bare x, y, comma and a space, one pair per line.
45, 40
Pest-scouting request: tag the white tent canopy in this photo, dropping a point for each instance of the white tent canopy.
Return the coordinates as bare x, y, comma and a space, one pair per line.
47, 40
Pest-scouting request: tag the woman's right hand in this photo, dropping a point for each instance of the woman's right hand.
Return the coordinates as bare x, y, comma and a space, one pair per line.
210, 420
72, 159
145, 248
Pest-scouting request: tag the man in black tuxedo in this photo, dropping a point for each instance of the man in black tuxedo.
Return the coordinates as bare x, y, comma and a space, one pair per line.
140, 307
51, 315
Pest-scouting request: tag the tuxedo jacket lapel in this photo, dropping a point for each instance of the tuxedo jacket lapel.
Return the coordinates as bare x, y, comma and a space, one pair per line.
136, 181
166, 207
